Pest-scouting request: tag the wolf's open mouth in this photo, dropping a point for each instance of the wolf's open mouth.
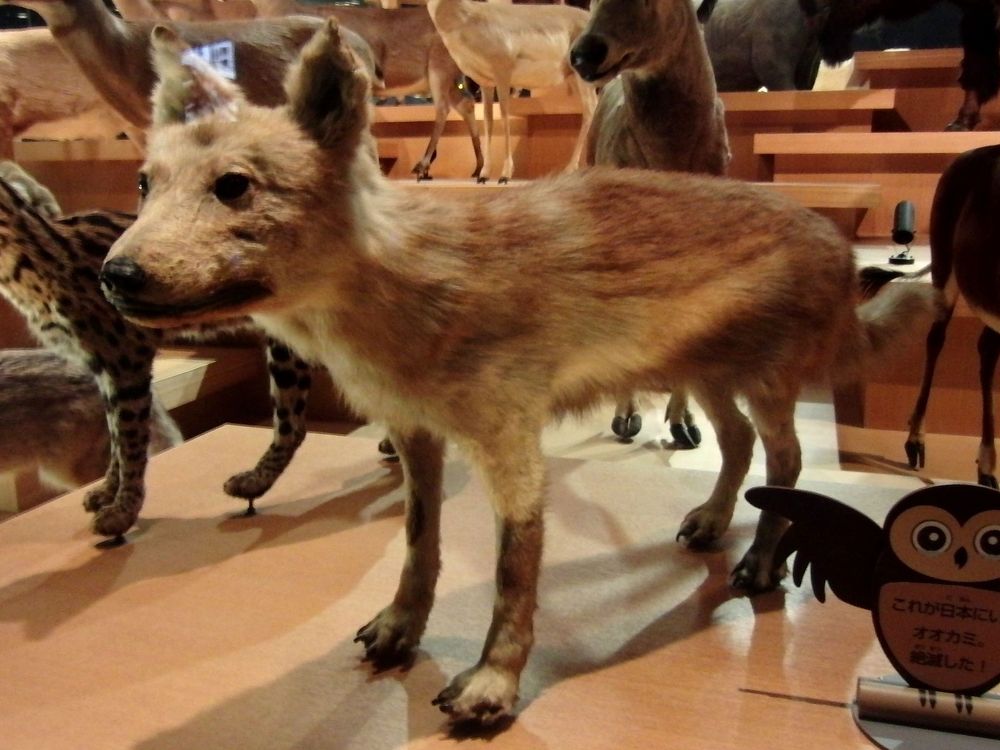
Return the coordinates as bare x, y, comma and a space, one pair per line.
234, 295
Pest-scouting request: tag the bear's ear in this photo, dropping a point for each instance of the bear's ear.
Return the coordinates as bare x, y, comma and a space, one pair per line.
328, 89
188, 87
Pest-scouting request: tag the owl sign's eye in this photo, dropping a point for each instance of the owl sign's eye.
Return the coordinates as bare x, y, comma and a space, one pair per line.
931, 537
988, 542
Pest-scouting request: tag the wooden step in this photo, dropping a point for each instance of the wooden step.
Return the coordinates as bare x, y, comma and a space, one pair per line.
906, 165
898, 68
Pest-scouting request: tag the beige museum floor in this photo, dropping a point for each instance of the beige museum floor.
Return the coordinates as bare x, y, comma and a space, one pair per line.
210, 630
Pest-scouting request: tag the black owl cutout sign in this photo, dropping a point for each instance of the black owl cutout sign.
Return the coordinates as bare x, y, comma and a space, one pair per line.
930, 575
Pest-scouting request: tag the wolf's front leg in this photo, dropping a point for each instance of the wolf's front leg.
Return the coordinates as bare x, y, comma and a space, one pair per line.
130, 404
487, 692
390, 638
291, 380
773, 414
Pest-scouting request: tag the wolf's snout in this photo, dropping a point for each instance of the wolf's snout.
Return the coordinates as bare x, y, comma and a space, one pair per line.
587, 55
123, 275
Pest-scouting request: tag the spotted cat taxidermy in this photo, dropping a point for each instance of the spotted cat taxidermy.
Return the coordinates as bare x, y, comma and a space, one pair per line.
49, 272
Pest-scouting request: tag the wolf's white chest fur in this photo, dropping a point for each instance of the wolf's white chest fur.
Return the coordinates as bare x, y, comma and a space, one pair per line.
367, 387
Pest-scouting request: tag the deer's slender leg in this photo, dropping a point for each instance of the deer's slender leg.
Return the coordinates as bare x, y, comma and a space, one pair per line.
487, 92
503, 94
914, 446
989, 350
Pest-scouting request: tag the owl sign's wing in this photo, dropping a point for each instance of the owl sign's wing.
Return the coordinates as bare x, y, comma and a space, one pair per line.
841, 544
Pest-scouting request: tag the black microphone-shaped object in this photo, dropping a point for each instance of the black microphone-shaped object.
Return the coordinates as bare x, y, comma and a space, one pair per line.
904, 222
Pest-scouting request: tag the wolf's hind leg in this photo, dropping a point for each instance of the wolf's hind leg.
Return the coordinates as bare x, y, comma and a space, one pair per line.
291, 380
390, 638
707, 522
774, 416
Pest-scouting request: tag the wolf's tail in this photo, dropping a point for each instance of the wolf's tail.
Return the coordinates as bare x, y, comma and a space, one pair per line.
891, 320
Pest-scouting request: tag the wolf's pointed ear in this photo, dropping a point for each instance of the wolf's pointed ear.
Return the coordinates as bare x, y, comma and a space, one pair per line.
328, 89
188, 87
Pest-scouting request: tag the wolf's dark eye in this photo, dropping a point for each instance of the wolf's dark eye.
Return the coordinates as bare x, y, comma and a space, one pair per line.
231, 186
143, 185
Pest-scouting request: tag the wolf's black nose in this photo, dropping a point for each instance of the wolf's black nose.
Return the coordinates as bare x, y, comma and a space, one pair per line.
123, 275
587, 55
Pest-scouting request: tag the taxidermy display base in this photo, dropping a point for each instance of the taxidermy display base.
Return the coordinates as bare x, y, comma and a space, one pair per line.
893, 715
210, 629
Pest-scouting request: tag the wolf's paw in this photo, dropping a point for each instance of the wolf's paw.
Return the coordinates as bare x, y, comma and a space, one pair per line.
249, 485
480, 695
98, 498
703, 526
756, 572
114, 520
391, 637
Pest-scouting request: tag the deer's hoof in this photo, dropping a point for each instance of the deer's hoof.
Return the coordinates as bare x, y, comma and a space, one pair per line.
626, 427
685, 436
386, 448
915, 453
988, 480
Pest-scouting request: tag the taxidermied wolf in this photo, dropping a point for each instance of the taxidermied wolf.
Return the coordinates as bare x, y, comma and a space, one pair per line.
475, 319
52, 416
769, 43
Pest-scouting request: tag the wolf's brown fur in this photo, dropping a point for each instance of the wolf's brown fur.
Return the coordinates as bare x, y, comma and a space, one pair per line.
475, 319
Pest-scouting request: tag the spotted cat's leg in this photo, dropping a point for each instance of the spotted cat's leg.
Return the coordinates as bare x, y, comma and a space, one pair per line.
129, 398
104, 493
291, 379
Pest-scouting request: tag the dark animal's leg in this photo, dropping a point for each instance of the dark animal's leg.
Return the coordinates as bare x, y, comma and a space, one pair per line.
773, 414
291, 380
980, 76
390, 638
129, 403
513, 469
935, 342
627, 421
989, 350
706, 523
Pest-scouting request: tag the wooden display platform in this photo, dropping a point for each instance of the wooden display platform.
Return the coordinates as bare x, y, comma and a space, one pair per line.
210, 630
906, 165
